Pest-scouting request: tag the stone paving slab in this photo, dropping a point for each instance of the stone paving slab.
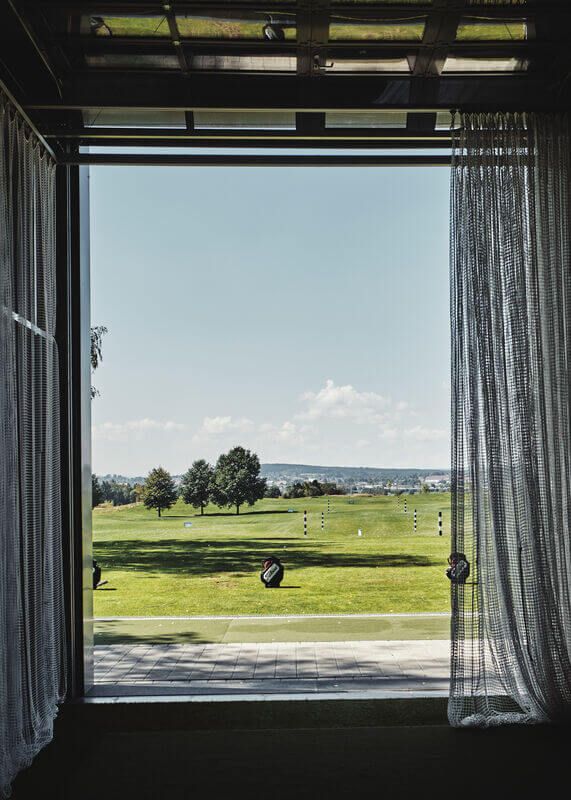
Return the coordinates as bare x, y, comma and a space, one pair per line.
285, 667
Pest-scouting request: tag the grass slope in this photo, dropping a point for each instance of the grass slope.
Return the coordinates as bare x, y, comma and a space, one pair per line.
157, 567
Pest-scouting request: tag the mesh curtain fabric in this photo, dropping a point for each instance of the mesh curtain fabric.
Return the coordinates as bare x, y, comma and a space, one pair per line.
32, 671
511, 405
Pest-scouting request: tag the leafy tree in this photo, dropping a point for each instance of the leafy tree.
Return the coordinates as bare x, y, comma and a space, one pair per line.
97, 334
160, 490
96, 493
273, 491
332, 488
117, 493
138, 491
312, 489
237, 479
295, 491
424, 488
196, 485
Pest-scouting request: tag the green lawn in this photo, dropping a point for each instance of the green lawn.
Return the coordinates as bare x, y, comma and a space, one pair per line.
157, 567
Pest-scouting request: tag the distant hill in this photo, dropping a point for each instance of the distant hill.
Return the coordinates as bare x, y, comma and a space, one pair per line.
375, 475
341, 475
123, 479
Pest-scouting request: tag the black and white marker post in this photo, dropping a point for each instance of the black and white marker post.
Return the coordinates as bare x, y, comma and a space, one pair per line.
328, 505
323, 520
405, 506
305, 523
415, 520
440, 523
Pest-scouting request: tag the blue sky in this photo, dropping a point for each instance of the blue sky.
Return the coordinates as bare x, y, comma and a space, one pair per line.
302, 312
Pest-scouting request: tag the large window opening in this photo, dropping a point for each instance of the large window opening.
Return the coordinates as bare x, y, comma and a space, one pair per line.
300, 315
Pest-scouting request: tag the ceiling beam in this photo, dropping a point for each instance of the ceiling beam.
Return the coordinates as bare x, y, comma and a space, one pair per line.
175, 37
155, 46
319, 36
364, 10
439, 33
303, 38
256, 160
110, 89
262, 144
229, 136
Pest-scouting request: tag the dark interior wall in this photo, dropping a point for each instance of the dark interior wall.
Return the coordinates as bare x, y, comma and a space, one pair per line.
300, 751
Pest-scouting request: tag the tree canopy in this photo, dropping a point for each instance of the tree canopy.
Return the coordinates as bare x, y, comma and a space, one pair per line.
97, 334
237, 479
96, 493
312, 488
196, 485
160, 490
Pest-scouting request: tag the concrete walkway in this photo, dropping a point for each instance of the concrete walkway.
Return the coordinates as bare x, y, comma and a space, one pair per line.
413, 666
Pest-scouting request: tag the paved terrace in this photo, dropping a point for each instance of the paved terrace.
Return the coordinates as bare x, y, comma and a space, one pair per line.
370, 667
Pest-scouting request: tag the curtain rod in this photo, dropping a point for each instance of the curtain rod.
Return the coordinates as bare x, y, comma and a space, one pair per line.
12, 100
129, 159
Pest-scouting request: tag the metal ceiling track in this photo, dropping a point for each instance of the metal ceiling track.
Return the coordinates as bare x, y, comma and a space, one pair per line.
68, 73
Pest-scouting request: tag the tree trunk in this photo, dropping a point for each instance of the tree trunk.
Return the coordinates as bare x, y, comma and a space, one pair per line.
159, 511
237, 508
201, 510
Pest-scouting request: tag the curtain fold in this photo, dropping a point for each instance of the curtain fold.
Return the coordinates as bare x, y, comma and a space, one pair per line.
511, 406
32, 652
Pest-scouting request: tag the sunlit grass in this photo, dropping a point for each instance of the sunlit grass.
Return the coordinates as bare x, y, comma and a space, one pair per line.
159, 567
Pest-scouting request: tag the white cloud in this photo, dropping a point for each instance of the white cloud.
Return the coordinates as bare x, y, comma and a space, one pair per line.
135, 428
335, 424
218, 426
286, 432
345, 402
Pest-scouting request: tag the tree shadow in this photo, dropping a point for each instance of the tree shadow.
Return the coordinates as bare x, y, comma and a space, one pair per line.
176, 557
231, 514
176, 637
246, 513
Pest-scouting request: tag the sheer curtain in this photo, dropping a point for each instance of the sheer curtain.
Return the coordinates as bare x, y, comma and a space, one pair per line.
32, 672
511, 405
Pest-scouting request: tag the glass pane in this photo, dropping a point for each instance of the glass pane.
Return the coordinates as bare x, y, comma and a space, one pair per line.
132, 61
458, 64
492, 31
444, 121
499, 2
244, 120
253, 25
133, 118
384, 2
369, 65
245, 63
365, 119
398, 31
112, 25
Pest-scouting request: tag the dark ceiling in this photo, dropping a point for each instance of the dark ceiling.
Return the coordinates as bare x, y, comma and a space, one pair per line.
314, 73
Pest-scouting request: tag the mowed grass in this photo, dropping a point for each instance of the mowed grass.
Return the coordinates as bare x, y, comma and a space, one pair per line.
157, 567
